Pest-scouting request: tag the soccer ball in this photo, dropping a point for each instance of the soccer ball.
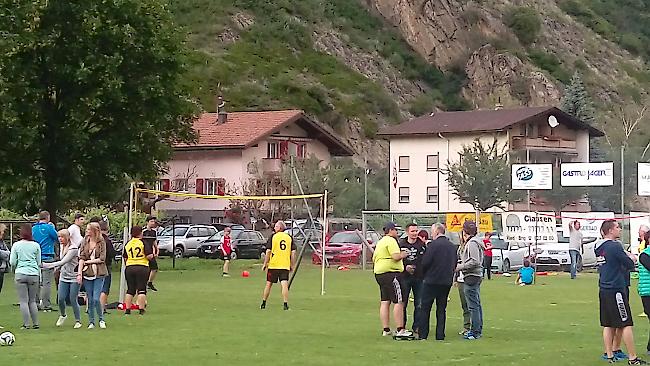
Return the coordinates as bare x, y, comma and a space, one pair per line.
7, 339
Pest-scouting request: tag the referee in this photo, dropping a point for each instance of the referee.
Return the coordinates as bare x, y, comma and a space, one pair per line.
388, 268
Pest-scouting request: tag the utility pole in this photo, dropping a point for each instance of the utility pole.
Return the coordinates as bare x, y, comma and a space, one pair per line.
365, 182
623, 180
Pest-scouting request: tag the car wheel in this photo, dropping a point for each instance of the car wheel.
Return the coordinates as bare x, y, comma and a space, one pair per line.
506, 266
178, 252
579, 266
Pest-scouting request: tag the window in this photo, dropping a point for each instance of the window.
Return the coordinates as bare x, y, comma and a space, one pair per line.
179, 185
432, 163
216, 186
432, 194
403, 163
302, 151
184, 219
215, 220
204, 231
273, 150
193, 233
403, 194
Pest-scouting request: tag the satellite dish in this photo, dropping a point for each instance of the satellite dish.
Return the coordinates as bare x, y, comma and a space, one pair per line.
552, 121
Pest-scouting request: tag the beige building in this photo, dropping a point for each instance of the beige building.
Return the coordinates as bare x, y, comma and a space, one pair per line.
235, 149
421, 147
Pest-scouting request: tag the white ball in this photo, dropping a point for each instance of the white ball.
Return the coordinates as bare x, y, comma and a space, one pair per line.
7, 339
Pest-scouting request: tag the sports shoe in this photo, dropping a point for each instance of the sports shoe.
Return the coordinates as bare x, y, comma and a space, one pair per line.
91, 326
285, 306
471, 336
620, 355
47, 310
61, 320
151, 287
463, 332
36, 326
102, 324
24, 327
636, 361
77, 325
141, 311
127, 312
226, 275
385, 333
263, 306
404, 333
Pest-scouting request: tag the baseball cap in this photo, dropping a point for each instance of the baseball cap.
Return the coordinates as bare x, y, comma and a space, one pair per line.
469, 226
151, 217
389, 226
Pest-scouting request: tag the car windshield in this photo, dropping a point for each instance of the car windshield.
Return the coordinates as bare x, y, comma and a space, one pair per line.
343, 237
499, 244
178, 231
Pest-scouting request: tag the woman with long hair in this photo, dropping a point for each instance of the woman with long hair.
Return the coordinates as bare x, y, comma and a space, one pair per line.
68, 288
91, 272
26, 259
5, 253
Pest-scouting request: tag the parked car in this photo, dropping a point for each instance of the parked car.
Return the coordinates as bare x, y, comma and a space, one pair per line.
222, 225
346, 247
552, 255
587, 256
314, 236
507, 256
248, 244
186, 237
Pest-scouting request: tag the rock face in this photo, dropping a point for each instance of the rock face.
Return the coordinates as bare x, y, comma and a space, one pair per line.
501, 77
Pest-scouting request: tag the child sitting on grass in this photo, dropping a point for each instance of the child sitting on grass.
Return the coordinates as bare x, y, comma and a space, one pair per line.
525, 274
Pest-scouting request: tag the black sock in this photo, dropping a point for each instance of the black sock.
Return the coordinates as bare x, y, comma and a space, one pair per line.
286, 304
399, 328
263, 302
386, 329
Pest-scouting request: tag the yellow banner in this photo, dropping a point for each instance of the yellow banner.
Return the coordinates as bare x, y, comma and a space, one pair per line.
455, 221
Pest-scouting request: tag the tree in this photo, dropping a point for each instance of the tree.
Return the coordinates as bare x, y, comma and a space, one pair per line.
524, 22
482, 176
91, 93
578, 103
560, 196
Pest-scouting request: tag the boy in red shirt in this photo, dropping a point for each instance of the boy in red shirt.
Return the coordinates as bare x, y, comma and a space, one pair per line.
226, 250
487, 257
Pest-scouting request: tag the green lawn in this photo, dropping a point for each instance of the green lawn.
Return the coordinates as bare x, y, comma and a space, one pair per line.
198, 317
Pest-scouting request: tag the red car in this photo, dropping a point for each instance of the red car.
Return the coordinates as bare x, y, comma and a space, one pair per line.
345, 247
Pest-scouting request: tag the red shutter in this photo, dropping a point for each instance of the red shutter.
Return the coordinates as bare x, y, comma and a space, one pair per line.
199, 186
284, 149
221, 187
165, 184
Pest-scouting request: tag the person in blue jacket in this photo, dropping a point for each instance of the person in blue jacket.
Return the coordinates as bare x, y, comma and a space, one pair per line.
44, 233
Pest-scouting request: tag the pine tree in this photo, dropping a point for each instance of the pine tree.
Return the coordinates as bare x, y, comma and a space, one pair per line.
578, 103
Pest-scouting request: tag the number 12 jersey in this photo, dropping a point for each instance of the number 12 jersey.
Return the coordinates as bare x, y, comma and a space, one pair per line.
135, 254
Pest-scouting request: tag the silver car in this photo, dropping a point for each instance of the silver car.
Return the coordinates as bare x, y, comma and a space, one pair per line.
185, 240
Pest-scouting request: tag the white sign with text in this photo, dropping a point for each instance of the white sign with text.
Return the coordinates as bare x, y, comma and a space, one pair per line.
532, 176
587, 174
522, 226
590, 222
644, 179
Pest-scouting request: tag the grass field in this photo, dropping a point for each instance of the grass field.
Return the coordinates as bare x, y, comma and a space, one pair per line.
197, 318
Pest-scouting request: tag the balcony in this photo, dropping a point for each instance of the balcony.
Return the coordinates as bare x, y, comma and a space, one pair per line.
271, 166
544, 144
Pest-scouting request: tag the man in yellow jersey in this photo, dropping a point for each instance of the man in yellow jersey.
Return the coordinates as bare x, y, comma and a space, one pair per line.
278, 262
137, 257
388, 268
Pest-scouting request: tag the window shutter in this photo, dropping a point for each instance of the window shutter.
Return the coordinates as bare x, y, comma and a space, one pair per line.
199, 186
221, 187
284, 149
165, 184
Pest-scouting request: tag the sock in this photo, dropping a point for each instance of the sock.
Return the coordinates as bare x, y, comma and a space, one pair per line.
263, 302
399, 328
286, 304
386, 329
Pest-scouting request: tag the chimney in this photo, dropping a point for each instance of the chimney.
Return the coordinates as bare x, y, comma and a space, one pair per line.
222, 116
498, 106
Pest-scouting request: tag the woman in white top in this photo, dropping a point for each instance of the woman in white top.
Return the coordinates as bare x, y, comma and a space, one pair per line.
68, 287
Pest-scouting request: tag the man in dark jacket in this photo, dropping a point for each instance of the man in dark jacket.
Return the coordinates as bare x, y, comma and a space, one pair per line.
614, 266
412, 275
438, 265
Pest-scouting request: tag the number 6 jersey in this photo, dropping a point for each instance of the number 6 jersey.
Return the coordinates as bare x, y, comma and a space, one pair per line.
281, 246
135, 254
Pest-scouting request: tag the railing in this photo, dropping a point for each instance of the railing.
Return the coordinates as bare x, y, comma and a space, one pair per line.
521, 142
271, 165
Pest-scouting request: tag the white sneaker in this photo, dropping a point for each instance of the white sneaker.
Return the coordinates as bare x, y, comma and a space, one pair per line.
61, 320
386, 334
77, 325
91, 326
404, 333
102, 324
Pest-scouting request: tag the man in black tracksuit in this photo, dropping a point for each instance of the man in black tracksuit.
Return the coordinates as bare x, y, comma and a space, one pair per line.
412, 276
438, 267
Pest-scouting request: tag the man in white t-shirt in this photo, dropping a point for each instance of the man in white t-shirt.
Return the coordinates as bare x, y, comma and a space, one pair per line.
75, 229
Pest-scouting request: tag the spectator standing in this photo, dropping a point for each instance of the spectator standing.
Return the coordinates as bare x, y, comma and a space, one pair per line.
110, 256
412, 275
44, 233
644, 280
487, 255
26, 259
471, 268
91, 272
643, 243
615, 313
5, 253
68, 288
438, 266
424, 236
575, 246
150, 240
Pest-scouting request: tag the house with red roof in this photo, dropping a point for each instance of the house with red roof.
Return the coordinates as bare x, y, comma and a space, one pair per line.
234, 150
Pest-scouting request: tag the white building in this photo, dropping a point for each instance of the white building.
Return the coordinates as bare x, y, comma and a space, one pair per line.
421, 147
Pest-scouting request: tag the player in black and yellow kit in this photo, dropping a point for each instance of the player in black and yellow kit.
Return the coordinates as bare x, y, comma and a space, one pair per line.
278, 262
137, 257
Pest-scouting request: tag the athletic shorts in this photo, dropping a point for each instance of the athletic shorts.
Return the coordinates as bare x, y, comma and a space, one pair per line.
107, 284
226, 257
390, 287
137, 277
153, 264
275, 275
615, 309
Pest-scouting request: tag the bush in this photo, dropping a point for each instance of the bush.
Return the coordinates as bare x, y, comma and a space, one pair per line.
525, 23
550, 62
423, 104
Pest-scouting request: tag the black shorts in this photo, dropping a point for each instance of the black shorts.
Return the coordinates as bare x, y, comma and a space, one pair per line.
153, 264
390, 287
615, 309
137, 277
275, 275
